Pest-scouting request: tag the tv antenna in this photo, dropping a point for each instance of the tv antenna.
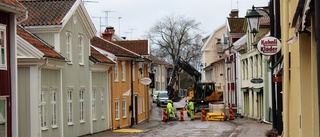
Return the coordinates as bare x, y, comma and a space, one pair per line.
107, 16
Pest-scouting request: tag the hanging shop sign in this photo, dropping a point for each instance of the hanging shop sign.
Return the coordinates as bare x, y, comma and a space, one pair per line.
269, 46
256, 80
145, 81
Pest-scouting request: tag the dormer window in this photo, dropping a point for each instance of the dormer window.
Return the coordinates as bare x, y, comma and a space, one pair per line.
69, 46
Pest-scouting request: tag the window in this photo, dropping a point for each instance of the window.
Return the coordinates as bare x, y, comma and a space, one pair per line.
123, 71
70, 107
3, 46
80, 49
102, 104
116, 72
69, 46
117, 109
43, 107
81, 101
124, 111
94, 104
54, 109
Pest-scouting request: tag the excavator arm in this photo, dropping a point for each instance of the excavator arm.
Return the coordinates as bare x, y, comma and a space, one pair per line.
180, 64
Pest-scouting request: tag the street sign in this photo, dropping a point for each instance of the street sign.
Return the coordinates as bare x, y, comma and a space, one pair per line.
145, 81
256, 80
269, 46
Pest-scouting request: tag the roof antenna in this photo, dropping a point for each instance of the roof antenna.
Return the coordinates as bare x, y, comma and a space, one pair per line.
237, 5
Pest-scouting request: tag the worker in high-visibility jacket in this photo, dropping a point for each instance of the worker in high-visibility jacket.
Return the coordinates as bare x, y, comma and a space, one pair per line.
191, 109
170, 111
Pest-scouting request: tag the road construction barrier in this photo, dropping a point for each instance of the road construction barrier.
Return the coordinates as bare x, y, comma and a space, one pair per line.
164, 115
203, 115
230, 114
181, 115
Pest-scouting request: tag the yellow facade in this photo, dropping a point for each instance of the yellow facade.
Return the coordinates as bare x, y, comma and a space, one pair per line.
121, 94
300, 93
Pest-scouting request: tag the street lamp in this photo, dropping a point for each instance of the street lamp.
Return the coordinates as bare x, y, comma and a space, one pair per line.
254, 21
254, 24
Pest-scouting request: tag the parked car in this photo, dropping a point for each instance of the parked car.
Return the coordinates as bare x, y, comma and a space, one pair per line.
162, 99
154, 96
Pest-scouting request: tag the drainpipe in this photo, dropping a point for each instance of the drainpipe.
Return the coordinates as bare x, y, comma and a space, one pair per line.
25, 18
317, 32
131, 106
44, 64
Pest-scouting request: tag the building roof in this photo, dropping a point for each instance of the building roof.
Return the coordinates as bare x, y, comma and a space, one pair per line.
237, 25
12, 4
98, 57
42, 46
46, 12
137, 46
157, 60
112, 48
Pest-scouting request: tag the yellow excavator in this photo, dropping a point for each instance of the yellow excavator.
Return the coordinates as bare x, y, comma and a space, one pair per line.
202, 93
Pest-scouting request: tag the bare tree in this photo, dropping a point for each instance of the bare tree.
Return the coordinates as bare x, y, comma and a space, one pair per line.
174, 36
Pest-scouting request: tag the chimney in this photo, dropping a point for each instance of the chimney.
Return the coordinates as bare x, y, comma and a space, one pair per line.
234, 13
108, 33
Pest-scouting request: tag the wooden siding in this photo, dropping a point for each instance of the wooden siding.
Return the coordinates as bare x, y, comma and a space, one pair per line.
24, 101
5, 77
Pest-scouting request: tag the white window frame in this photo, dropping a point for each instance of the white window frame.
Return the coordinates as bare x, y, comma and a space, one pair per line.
43, 111
123, 63
80, 49
69, 46
124, 108
117, 117
93, 100
3, 47
116, 72
70, 106
81, 104
54, 109
102, 104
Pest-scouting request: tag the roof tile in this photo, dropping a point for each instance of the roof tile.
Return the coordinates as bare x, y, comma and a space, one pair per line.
46, 12
12, 3
112, 47
100, 57
237, 25
137, 46
45, 48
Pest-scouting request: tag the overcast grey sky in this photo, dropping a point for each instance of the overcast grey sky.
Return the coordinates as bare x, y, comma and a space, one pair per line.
136, 17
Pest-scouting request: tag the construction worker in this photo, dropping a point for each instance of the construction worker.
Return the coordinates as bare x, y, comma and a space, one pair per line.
191, 109
170, 111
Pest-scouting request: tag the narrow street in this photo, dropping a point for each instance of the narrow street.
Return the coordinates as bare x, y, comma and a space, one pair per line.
156, 128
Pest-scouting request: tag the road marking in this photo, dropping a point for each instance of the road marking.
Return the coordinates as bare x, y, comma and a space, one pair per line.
128, 130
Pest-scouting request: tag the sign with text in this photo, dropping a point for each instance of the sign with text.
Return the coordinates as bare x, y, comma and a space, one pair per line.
145, 81
269, 46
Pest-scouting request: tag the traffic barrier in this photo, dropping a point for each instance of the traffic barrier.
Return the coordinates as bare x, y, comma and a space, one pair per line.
203, 115
181, 115
164, 115
230, 114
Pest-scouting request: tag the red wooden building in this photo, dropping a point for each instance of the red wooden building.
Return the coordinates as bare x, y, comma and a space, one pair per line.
9, 11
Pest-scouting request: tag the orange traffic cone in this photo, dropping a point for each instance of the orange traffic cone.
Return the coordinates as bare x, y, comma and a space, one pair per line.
203, 115
230, 114
181, 115
164, 115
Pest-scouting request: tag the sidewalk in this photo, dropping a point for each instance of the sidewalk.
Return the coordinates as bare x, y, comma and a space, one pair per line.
249, 128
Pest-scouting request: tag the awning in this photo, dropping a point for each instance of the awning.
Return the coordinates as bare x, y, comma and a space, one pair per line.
300, 17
